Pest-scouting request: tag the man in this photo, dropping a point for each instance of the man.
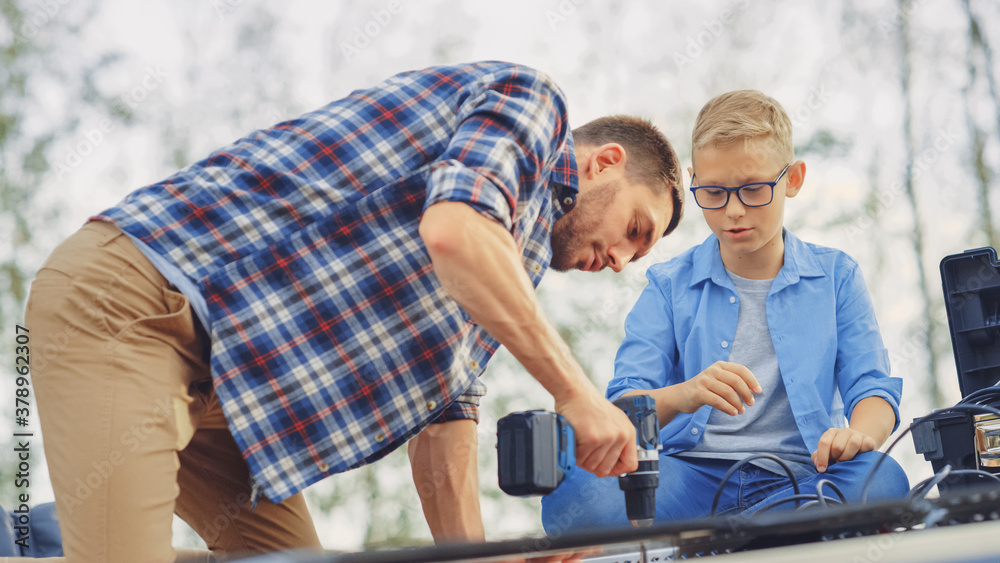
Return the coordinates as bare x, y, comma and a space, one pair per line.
313, 296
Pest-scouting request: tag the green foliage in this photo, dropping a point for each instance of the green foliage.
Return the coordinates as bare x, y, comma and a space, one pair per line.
26, 161
824, 144
251, 82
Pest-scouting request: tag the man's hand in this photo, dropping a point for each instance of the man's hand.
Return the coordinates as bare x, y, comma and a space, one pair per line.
841, 444
723, 385
479, 264
605, 438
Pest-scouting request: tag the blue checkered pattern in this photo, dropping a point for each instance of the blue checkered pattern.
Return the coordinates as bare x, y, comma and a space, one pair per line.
332, 340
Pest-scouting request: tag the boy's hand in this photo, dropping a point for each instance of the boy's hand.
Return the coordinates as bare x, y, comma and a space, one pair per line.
841, 444
723, 385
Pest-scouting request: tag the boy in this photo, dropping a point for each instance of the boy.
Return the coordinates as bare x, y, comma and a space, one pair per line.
752, 342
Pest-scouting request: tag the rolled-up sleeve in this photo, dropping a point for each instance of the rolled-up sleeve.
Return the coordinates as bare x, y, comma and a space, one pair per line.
862, 364
509, 134
466, 406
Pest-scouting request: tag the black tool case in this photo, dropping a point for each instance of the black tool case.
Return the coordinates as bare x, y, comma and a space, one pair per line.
968, 440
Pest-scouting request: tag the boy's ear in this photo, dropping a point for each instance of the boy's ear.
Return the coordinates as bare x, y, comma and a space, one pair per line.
796, 175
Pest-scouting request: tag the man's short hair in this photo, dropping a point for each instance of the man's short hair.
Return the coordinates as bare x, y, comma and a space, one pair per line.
651, 159
747, 116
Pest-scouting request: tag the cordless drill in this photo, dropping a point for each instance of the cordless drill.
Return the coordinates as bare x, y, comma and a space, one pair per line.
535, 449
640, 485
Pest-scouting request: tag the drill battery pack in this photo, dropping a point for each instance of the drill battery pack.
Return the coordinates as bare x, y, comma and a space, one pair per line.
963, 439
535, 449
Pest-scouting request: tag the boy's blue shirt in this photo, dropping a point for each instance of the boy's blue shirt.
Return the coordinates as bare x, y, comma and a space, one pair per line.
822, 325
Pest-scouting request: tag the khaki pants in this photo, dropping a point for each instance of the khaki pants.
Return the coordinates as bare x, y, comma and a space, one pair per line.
132, 428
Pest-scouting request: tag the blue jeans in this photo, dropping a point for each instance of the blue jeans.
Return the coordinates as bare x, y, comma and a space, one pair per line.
687, 486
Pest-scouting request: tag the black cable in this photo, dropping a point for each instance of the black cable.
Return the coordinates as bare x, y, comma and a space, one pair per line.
925, 488
921, 489
976, 396
796, 498
820, 498
744, 461
978, 399
979, 472
970, 408
984, 391
958, 407
816, 502
819, 491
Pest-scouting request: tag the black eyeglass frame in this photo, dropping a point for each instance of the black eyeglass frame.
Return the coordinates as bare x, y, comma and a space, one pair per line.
729, 191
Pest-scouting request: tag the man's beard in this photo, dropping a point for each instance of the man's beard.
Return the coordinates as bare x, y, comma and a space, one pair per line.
571, 231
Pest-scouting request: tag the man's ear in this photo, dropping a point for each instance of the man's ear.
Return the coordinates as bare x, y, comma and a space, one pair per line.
796, 177
607, 157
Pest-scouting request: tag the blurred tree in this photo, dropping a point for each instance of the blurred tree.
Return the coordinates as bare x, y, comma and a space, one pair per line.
23, 159
978, 38
242, 67
906, 60
980, 168
34, 38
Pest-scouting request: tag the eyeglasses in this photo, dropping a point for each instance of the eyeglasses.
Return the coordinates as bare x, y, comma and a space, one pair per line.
756, 194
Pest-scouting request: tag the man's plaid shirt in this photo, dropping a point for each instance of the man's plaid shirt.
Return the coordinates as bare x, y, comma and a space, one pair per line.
333, 341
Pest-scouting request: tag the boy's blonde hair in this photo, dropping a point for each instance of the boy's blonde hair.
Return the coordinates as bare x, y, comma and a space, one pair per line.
747, 116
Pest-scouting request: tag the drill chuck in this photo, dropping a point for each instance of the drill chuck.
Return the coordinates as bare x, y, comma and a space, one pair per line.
640, 485
640, 489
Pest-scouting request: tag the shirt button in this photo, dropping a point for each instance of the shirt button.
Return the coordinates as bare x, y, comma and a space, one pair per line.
380, 437
322, 466
537, 268
694, 431
431, 405
725, 344
473, 365
567, 201
732, 300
